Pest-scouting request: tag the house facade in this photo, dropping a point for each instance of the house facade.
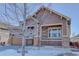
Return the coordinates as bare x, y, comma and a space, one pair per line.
48, 27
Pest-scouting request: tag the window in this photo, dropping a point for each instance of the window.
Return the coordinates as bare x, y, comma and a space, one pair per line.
55, 33
28, 27
32, 27
30, 30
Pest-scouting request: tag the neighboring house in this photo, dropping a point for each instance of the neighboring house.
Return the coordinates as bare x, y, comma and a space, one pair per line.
47, 27
4, 33
15, 36
9, 34
75, 38
74, 41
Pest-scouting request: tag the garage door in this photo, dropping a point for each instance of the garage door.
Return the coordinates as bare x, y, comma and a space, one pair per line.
29, 42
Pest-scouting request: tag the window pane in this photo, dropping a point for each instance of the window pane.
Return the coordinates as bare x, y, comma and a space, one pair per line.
59, 35
55, 33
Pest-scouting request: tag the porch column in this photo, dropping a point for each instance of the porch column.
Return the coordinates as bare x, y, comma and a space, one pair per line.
37, 36
65, 42
65, 37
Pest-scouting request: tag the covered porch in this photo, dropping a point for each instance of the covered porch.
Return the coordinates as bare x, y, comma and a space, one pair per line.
51, 35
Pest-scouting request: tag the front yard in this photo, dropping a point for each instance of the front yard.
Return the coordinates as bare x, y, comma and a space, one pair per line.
38, 51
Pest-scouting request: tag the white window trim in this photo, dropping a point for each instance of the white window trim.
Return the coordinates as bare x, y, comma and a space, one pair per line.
54, 28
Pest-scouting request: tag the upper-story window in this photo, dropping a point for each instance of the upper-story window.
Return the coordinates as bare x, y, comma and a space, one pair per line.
54, 33
31, 27
30, 31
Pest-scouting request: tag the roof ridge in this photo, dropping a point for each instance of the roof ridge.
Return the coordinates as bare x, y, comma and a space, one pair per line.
50, 9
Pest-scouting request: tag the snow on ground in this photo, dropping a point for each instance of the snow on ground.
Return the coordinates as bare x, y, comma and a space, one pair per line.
46, 51
9, 52
37, 51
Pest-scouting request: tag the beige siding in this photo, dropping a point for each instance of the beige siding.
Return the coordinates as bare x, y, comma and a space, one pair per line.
15, 41
65, 41
4, 36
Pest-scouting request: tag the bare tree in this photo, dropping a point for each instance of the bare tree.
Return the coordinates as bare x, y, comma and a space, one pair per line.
13, 8
18, 13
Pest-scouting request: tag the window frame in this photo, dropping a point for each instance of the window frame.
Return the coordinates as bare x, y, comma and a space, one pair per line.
52, 31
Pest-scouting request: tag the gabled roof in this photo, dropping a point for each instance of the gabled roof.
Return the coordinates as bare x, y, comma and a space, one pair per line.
4, 25
50, 10
8, 26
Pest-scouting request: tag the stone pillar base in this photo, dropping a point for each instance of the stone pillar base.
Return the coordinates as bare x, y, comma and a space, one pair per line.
65, 42
65, 45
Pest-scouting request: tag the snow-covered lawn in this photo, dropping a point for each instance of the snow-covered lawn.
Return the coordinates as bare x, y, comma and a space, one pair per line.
37, 51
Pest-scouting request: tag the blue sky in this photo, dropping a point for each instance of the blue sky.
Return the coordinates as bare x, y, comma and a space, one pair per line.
71, 10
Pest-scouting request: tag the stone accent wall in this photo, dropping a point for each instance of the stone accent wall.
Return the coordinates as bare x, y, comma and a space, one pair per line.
65, 42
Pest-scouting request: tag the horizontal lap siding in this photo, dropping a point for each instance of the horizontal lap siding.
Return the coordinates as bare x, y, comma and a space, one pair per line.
52, 43
45, 32
16, 41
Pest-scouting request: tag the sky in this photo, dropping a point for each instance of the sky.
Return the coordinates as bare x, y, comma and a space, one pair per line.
71, 10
